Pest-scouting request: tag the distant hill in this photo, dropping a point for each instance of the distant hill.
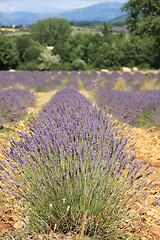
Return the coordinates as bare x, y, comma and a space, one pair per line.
24, 18
120, 21
97, 12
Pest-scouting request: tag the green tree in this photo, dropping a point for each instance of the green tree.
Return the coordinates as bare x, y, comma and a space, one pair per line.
144, 20
94, 49
31, 65
144, 17
29, 52
79, 46
32, 53
106, 29
51, 31
63, 49
8, 53
22, 43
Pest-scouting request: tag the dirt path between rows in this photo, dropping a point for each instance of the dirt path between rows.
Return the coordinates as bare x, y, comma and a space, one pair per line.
147, 148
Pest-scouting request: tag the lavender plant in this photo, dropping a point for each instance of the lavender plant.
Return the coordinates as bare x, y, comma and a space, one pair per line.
14, 103
74, 169
94, 74
89, 85
32, 80
133, 108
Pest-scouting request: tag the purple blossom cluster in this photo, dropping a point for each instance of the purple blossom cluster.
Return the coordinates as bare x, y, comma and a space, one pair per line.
89, 85
73, 151
129, 106
14, 103
94, 74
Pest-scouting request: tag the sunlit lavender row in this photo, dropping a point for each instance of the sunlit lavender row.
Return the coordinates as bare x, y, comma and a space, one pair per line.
133, 108
51, 80
120, 93
131, 81
35, 80
72, 80
75, 159
14, 104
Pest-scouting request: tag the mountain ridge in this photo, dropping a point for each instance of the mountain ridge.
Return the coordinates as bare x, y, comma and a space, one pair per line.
97, 12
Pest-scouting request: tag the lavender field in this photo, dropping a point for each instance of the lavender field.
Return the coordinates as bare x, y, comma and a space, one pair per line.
126, 96
75, 170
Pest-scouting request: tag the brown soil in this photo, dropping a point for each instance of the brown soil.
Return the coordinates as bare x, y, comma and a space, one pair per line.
146, 225
147, 148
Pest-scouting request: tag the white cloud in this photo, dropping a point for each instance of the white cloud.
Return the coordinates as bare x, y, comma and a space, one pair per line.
3, 7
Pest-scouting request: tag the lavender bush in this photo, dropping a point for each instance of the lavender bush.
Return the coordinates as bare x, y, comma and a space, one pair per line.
14, 103
74, 171
94, 74
88, 84
133, 108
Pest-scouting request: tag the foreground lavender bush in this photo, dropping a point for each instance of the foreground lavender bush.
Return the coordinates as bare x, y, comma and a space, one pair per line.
74, 171
14, 103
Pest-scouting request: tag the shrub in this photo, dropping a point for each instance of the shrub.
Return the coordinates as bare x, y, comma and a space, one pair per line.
74, 171
32, 65
78, 64
49, 61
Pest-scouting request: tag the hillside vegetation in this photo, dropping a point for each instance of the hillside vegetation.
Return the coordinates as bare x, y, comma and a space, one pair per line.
98, 48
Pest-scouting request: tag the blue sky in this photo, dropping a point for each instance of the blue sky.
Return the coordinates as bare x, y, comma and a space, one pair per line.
47, 5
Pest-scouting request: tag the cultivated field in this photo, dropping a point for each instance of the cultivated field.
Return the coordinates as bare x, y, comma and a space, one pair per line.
75, 168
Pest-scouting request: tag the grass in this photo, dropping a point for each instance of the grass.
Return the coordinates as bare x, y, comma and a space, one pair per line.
76, 30
16, 33
148, 84
120, 85
144, 119
41, 89
81, 85
62, 84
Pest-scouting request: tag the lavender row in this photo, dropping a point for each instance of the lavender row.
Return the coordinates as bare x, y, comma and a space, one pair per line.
46, 84
76, 160
89, 85
128, 76
133, 82
131, 107
51, 80
14, 103
32, 79
72, 81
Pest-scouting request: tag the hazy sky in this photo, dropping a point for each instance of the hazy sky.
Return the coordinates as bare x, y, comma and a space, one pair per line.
47, 5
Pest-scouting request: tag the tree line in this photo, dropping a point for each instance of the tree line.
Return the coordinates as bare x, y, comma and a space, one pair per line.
140, 47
